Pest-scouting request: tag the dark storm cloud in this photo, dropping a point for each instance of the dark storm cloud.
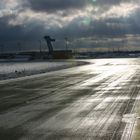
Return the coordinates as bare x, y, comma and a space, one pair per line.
54, 5
75, 29
34, 27
28, 36
103, 27
109, 2
14, 33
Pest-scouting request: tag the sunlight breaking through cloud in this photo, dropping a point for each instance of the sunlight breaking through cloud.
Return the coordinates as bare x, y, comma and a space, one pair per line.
122, 10
75, 19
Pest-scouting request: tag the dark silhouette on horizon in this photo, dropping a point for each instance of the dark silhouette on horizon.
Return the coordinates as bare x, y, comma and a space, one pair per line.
50, 47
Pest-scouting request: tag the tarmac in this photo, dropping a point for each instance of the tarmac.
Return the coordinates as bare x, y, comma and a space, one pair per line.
97, 101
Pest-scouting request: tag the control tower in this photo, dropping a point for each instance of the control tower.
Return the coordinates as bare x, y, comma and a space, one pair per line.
50, 47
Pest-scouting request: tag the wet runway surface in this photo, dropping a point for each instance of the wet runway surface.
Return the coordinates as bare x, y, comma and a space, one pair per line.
97, 101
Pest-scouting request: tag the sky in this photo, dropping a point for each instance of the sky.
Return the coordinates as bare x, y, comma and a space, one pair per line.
86, 23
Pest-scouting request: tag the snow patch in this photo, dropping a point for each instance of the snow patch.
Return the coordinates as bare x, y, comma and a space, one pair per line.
20, 69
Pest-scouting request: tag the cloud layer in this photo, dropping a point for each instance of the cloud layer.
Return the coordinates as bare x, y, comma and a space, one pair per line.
30, 20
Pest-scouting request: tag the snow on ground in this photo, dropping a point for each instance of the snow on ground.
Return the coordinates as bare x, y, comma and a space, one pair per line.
20, 69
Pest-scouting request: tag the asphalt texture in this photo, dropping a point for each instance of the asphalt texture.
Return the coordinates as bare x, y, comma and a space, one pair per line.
97, 101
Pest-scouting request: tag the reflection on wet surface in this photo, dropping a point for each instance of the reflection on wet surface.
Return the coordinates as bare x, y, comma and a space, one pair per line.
96, 101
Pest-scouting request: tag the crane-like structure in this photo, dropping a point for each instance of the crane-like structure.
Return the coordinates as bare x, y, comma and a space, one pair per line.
50, 47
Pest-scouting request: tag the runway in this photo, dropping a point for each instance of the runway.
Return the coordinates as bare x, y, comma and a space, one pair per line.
97, 101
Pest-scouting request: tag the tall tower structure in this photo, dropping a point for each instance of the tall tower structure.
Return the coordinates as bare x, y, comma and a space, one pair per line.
50, 47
